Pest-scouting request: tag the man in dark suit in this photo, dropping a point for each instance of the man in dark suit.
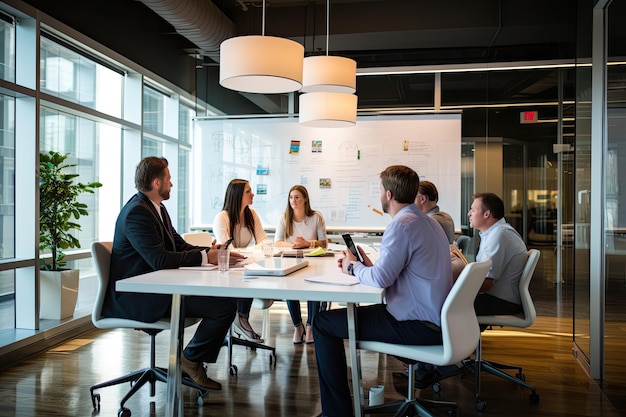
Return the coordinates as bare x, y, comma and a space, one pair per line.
145, 241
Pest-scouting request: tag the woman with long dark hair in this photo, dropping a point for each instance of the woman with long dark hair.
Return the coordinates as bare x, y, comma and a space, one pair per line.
240, 222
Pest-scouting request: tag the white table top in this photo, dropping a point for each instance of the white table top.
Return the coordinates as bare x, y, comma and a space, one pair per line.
233, 284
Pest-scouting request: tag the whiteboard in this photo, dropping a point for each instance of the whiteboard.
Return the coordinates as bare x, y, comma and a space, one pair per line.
340, 167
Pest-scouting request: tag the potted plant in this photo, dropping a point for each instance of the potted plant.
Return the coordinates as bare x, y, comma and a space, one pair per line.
59, 210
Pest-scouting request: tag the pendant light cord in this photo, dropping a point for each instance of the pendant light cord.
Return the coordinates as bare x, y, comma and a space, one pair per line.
263, 24
327, 24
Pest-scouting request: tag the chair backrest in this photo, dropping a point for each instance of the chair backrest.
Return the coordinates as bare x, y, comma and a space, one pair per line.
530, 314
528, 307
463, 242
459, 326
198, 238
101, 254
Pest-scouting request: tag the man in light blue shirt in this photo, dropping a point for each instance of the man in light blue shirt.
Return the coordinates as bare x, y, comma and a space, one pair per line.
501, 243
413, 267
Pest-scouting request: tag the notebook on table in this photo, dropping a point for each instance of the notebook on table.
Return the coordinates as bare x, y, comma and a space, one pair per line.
274, 267
293, 253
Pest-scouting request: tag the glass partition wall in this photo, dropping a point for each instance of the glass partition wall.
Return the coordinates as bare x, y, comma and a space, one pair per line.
614, 377
520, 146
599, 203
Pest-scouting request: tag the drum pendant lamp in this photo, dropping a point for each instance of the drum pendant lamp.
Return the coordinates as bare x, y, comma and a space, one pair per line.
261, 64
328, 84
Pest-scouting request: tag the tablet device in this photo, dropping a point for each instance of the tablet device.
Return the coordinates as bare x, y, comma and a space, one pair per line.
275, 267
351, 246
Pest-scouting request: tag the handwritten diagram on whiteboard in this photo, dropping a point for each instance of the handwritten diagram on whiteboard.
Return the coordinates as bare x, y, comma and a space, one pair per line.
340, 167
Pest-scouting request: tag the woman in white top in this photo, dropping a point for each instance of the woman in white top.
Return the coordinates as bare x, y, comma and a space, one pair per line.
301, 227
242, 223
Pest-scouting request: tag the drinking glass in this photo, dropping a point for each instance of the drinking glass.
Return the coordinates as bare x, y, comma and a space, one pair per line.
268, 249
223, 258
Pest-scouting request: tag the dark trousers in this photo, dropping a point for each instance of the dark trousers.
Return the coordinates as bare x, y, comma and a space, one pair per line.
373, 322
217, 314
313, 307
488, 305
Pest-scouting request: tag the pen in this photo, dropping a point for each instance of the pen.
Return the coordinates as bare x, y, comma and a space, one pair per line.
228, 242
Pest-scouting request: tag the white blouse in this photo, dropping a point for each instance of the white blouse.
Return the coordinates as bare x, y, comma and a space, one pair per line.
242, 235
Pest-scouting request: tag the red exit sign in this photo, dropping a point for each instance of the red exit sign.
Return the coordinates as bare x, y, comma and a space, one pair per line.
529, 117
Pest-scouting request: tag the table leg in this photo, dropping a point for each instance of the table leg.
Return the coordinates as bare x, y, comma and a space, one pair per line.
174, 405
355, 360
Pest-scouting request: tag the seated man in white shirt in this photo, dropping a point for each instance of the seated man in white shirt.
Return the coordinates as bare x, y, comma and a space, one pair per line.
501, 243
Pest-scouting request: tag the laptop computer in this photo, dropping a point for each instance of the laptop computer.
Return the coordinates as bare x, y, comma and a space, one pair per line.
275, 267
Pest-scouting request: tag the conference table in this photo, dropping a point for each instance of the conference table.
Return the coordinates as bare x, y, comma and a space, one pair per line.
296, 286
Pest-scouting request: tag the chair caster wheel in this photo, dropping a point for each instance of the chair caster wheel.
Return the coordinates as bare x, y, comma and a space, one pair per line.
480, 405
520, 376
123, 412
95, 400
533, 398
233, 370
272, 358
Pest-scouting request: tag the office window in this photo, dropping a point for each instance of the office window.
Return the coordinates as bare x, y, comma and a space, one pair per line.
7, 296
72, 76
178, 159
153, 109
7, 208
7, 48
185, 130
185, 134
7, 177
182, 185
151, 147
78, 137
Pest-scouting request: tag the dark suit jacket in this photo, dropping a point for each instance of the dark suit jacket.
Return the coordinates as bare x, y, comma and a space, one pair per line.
143, 243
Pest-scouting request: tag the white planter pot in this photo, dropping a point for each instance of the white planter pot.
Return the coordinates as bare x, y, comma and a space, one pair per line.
59, 292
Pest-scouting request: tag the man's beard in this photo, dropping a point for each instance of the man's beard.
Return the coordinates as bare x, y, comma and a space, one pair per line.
165, 195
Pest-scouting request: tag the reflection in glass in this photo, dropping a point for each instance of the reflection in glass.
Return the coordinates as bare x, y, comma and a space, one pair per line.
7, 177
78, 137
582, 211
67, 74
7, 48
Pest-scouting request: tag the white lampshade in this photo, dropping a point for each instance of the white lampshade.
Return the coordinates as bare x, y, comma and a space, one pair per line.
324, 109
261, 64
329, 73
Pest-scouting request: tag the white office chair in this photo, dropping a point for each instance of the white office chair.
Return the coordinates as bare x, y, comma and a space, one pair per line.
520, 321
460, 334
101, 253
198, 238
206, 239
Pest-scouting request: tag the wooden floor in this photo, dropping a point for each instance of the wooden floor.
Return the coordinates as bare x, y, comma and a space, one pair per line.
57, 382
